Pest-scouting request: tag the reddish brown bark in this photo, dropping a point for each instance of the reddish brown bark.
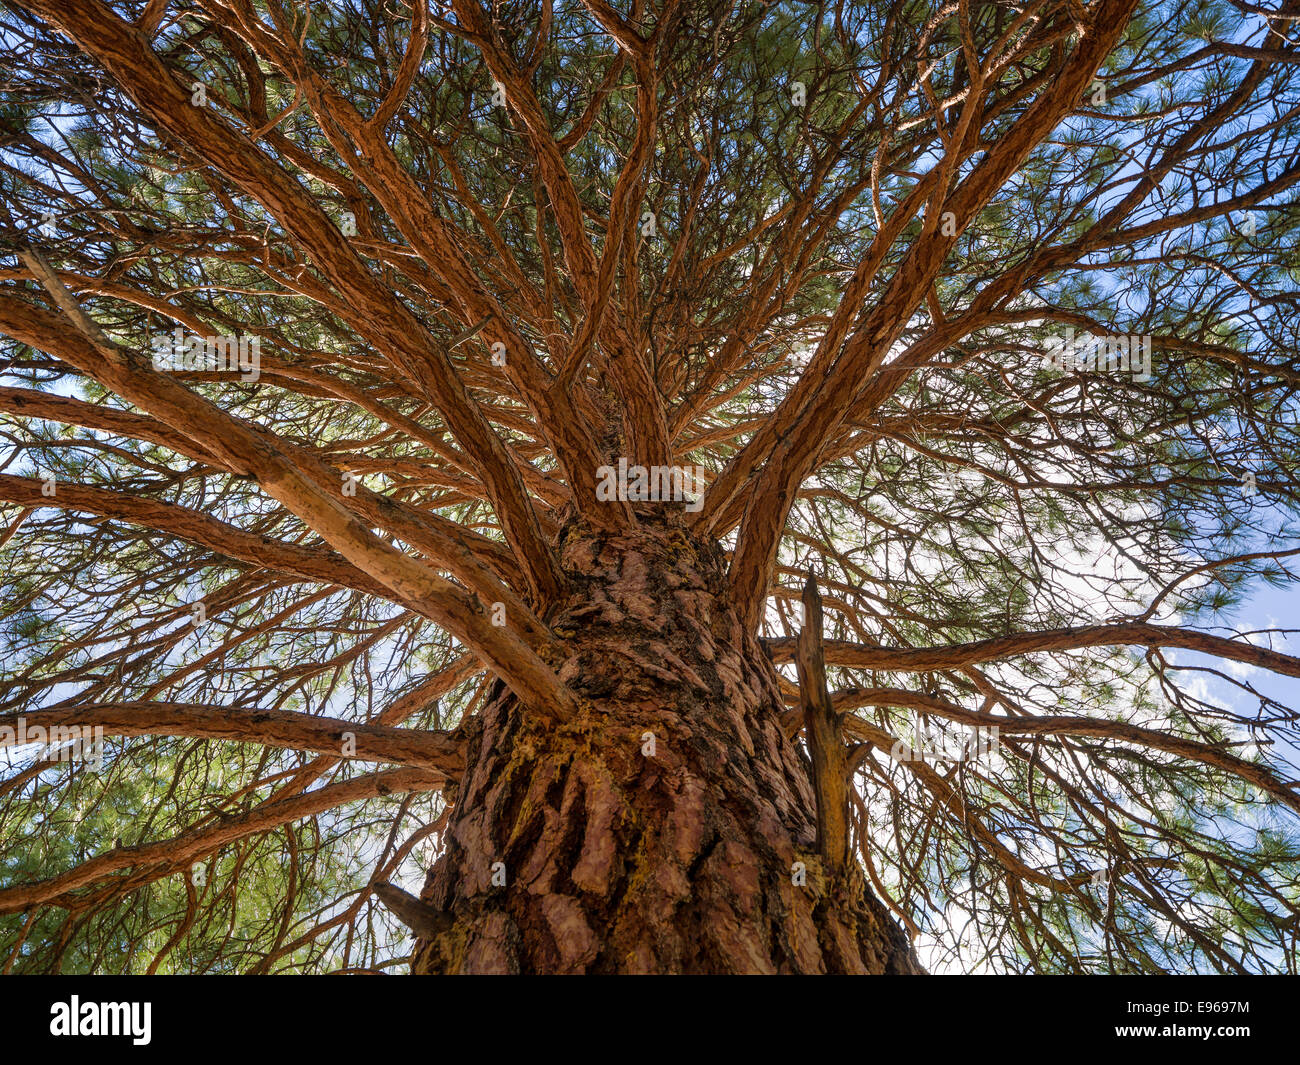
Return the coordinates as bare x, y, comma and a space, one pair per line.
619, 861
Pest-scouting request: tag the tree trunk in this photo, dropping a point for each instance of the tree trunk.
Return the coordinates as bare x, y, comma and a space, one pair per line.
663, 830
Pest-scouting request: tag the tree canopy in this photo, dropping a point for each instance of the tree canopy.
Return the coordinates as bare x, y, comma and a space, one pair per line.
474, 254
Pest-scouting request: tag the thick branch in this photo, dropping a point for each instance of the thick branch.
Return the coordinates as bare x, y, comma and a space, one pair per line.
307, 563
822, 731
925, 659
179, 851
1063, 725
436, 751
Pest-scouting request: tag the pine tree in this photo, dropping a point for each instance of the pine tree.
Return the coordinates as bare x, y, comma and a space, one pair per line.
680, 487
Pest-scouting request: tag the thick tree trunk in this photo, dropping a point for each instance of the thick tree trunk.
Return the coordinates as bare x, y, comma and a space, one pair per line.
661, 831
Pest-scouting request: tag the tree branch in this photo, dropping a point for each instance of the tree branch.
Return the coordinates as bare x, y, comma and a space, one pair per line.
440, 752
